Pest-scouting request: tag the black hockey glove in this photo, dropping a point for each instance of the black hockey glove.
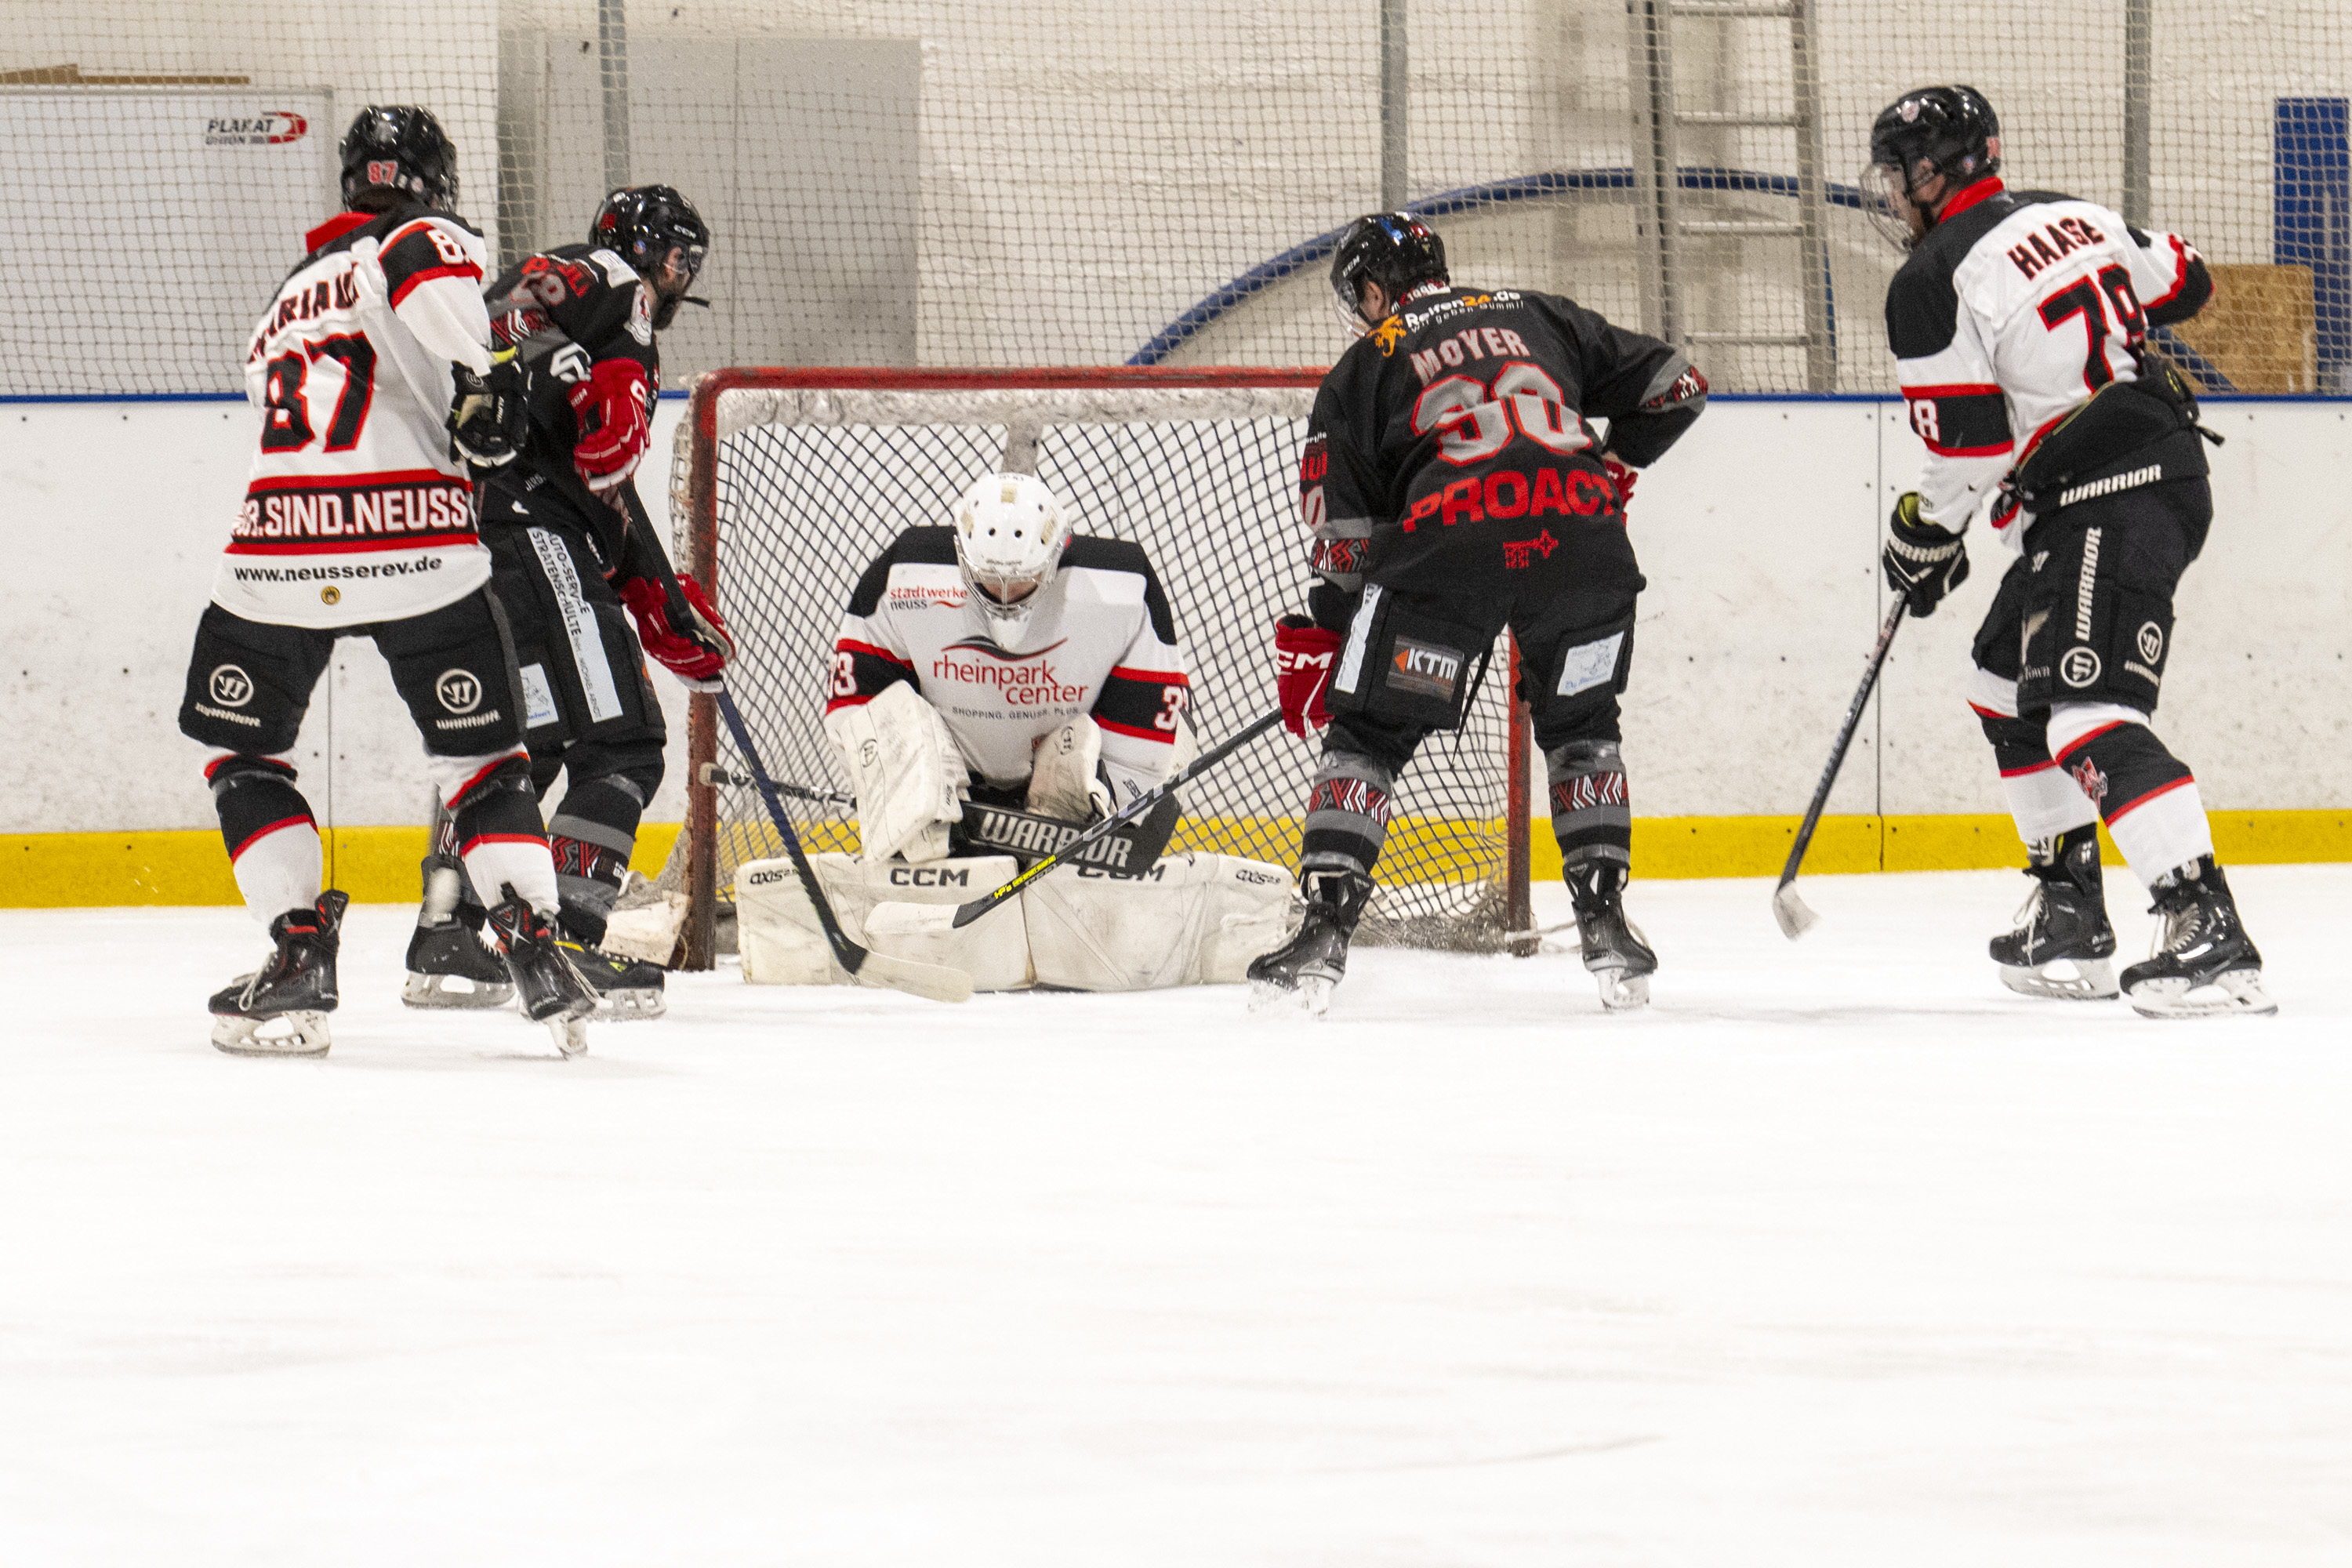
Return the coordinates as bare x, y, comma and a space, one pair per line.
1923, 561
490, 418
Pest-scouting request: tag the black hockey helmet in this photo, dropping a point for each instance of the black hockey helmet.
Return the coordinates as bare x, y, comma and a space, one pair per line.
1930, 130
651, 226
401, 146
1395, 250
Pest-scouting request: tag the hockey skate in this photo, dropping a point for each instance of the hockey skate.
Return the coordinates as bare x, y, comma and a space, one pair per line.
1303, 971
627, 989
2063, 940
2204, 966
1615, 953
552, 991
295, 988
448, 964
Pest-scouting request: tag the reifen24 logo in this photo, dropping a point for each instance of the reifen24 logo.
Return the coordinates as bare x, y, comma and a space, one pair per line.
275, 129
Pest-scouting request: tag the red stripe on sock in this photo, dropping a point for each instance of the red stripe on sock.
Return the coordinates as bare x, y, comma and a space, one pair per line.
2082, 741
258, 834
2020, 773
2137, 802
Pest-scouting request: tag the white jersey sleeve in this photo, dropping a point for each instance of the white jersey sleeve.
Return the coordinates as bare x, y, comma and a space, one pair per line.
433, 279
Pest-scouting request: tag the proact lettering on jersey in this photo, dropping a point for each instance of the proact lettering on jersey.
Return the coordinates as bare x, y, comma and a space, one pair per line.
356, 511
1101, 642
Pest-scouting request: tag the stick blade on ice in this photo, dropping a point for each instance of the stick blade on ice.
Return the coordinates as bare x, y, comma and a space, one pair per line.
934, 982
1788, 908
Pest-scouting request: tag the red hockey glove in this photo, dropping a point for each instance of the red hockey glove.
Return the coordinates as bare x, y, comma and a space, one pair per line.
686, 637
1304, 654
1620, 478
610, 408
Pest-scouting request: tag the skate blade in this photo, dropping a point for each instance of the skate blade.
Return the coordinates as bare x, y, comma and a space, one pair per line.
1310, 999
305, 1036
570, 1035
434, 990
2237, 994
632, 1003
2093, 980
1621, 992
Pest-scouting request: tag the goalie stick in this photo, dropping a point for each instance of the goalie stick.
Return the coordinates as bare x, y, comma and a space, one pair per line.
865, 967
1788, 908
909, 920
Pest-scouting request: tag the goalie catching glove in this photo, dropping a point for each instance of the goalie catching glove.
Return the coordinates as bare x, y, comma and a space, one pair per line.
609, 408
1304, 654
683, 632
1923, 561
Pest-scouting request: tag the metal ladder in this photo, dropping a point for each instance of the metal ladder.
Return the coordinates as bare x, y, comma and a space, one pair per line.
1659, 174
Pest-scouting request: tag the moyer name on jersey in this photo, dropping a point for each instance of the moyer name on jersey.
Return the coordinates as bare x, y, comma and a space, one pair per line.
356, 511
2013, 310
1100, 642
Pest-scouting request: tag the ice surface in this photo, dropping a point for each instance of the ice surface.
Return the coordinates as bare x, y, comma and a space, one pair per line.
1840, 1254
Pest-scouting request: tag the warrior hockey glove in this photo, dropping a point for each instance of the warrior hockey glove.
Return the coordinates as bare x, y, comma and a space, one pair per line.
489, 419
1303, 655
610, 407
1923, 561
686, 637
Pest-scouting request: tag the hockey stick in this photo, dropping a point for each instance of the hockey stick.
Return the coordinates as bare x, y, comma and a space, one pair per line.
908, 919
1788, 908
935, 981
716, 777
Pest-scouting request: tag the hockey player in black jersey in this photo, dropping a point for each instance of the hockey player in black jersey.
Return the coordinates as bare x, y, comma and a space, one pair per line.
2018, 325
578, 324
1453, 487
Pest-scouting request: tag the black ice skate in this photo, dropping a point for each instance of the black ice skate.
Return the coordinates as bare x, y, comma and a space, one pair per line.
552, 991
296, 988
2063, 940
1615, 953
2204, 966
627, 989
448, 964
1303, 970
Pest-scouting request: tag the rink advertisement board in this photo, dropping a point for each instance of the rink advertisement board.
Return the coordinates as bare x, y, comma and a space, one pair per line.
164, 218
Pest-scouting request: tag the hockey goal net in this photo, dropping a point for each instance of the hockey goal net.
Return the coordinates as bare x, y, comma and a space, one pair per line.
787, 483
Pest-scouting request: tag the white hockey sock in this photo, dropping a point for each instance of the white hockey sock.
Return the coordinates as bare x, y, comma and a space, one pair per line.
495, 859
2044, 802
2163, 832
277, 869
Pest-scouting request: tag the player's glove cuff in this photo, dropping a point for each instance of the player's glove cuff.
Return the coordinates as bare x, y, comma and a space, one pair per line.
1923, 561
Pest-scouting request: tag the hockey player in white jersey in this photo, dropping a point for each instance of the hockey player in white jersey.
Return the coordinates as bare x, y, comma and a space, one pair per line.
358, 521
2017, 325
998, 685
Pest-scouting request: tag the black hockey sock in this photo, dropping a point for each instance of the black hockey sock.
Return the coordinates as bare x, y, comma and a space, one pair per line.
2019, 745
1592, 813
254, 795
593, 836
2146, 795
1347, 813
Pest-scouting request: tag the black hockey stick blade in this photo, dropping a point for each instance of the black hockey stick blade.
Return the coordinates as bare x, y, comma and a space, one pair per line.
1790, 911
908, 919
867, 967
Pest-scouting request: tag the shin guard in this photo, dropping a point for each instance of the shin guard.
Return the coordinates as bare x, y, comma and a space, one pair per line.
1591, 815
499, 836
2146, 796
272, 839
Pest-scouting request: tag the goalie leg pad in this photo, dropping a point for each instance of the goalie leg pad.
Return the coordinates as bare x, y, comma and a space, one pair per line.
909, 777
782, 944
1192, 920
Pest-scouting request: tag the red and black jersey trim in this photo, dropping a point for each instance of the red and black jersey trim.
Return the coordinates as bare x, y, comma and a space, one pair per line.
2192, 285
414, 255
1142, 703
861, 672
1968, 420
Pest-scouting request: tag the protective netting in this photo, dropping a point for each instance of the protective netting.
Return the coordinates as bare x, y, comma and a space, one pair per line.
816, 483
938, 183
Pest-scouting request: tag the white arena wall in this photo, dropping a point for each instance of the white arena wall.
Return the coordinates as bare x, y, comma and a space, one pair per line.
1758, 535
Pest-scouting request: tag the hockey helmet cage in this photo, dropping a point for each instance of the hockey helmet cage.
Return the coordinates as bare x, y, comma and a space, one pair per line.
1395, 250
1009, 531
401, 146
1930, 130
645, 224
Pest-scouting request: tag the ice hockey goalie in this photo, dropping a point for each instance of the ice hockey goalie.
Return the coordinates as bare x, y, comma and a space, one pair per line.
999, 685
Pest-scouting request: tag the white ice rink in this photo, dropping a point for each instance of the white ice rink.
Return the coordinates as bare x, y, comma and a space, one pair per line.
1838, 1254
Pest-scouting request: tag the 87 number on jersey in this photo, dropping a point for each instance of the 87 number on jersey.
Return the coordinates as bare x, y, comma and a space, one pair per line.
285, 419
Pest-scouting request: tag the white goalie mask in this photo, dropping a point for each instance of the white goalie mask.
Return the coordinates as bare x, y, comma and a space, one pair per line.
1009, 534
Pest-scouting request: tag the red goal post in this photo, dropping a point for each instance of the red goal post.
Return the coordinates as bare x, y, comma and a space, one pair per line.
786, 483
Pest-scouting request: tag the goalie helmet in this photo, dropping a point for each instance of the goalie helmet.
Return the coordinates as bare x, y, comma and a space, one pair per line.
399, 146
657, 232
1395, 250
1009, 534
1947, 131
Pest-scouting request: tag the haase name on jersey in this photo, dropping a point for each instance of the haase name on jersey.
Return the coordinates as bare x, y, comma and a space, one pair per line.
2067, 235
